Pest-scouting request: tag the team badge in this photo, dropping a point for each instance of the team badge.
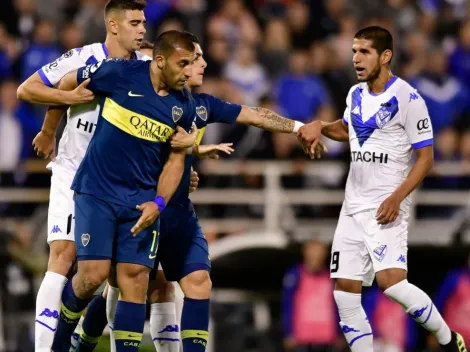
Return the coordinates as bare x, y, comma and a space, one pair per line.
380, 252
382, 117
176, 113
85, 239
202, 112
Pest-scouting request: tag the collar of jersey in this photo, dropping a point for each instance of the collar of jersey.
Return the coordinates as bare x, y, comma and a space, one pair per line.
387, 85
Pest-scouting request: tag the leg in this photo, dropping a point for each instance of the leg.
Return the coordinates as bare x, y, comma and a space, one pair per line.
164, 328
61, 258
350, 267
111, 294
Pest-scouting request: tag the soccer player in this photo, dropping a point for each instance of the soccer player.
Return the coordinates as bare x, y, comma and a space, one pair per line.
142, 103
125, 23
385, 120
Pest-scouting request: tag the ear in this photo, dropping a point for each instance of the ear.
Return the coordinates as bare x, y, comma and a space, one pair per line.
386, 57
112, 26
161, 61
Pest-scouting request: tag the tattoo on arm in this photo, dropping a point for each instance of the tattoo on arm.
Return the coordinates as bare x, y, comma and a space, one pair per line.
273, 122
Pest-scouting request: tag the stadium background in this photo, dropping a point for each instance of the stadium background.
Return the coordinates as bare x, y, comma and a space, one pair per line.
259, 205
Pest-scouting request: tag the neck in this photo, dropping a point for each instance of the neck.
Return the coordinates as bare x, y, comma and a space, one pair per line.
115, 50
160, 87
377, 85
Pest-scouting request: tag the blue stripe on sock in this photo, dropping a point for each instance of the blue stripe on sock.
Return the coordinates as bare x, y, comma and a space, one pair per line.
359, 337
429, 315
165, 339
47, 326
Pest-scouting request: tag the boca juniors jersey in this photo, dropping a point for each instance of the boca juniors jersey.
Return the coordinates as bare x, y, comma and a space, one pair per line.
383, 131
128, 151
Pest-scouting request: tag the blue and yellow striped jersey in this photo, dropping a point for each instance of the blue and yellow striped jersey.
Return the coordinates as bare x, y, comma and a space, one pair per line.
209, 109
128, 151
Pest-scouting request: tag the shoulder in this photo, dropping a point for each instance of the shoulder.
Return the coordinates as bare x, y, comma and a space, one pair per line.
358, 86
405, 92
142, 57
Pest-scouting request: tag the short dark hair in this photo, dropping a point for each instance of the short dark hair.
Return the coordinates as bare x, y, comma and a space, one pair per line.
381, 38
192, 37
168, 41
146, 45
125, 5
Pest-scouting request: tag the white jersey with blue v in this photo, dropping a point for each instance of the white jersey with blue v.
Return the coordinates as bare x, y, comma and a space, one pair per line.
383, 131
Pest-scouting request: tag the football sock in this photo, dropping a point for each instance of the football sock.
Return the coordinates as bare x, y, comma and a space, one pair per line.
354, 323
111, 301
47, 310
93, 325
76, 335
70, 313
195, 324
129, 322
164, 329
418, 304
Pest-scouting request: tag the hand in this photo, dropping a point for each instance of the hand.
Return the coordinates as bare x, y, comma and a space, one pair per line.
44, 145
388, 210
150, 213
194, 181
182, 139
318, 151
289, 344
80, 95
210, 151
309, 135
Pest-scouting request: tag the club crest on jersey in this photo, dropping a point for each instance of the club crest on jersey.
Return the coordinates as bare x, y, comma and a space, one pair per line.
85, 239
202, 112
176, 113
383, 116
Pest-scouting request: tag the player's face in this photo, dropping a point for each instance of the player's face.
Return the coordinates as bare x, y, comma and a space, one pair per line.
198, 67
366, 60
130, 29
177, 68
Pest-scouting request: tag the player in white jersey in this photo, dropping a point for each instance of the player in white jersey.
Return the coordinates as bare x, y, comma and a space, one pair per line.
385, 121
125, 24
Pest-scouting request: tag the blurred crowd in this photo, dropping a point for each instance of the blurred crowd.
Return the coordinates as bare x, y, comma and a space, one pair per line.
292, 56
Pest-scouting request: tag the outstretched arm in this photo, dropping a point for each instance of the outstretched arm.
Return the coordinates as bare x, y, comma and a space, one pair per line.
267, 120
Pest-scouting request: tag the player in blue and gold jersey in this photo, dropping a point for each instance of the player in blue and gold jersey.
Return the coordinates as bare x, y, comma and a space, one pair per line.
143, 103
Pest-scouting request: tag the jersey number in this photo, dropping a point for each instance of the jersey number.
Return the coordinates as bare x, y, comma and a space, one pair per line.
334, 262
153, 249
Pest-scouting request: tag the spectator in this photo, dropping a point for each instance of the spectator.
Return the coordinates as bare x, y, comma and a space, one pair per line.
5, 59
217, 56
460, 58
90, 19
298, 19
71, 37
247, 74
275, 53
308, 310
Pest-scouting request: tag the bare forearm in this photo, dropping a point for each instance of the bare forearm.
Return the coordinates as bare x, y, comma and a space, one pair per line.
265, 119
171, 175
52, 119
419, 171
335, 130
34, 91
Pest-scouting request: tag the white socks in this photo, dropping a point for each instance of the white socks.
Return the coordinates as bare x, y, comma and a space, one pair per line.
76, 334
111, 302
48, 302
164, 328
354, 322
418, 304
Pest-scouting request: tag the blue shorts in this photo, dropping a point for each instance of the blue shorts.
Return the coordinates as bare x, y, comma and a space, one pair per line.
183, 248
103, 231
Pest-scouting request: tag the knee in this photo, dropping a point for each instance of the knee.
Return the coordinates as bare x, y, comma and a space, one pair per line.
197, 285
350, 286
91, 275
62, 256
161, 290
390, 277
132, 281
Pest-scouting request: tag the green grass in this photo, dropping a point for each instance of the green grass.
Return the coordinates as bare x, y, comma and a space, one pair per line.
146, 345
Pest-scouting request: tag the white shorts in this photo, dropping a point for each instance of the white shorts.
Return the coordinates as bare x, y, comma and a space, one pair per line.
362, 247
61, 216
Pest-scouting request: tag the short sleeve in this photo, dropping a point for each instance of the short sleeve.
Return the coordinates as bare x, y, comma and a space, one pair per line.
104, 75
53, 72
417, 122
347, 111
221, 111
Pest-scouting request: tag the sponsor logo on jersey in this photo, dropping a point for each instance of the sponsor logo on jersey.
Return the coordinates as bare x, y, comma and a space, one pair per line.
85, 239
369, 157
413, 96
135, 124
176, 113
56, 229
90, 69
380, 252
423, 124
134, 95
86, 125
202, 112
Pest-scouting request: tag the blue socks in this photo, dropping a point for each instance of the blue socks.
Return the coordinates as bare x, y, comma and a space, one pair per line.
70, 313
195, 324
93, 325
129, 322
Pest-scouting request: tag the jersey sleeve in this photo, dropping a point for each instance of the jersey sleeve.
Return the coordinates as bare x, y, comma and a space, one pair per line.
104, 75
417, 122
53, 72
347, 111
221, 111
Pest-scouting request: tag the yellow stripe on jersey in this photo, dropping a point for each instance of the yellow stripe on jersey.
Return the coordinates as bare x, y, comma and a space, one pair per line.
135, 124
200, 134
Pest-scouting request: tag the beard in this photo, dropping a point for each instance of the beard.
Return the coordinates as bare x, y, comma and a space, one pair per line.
373, 75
